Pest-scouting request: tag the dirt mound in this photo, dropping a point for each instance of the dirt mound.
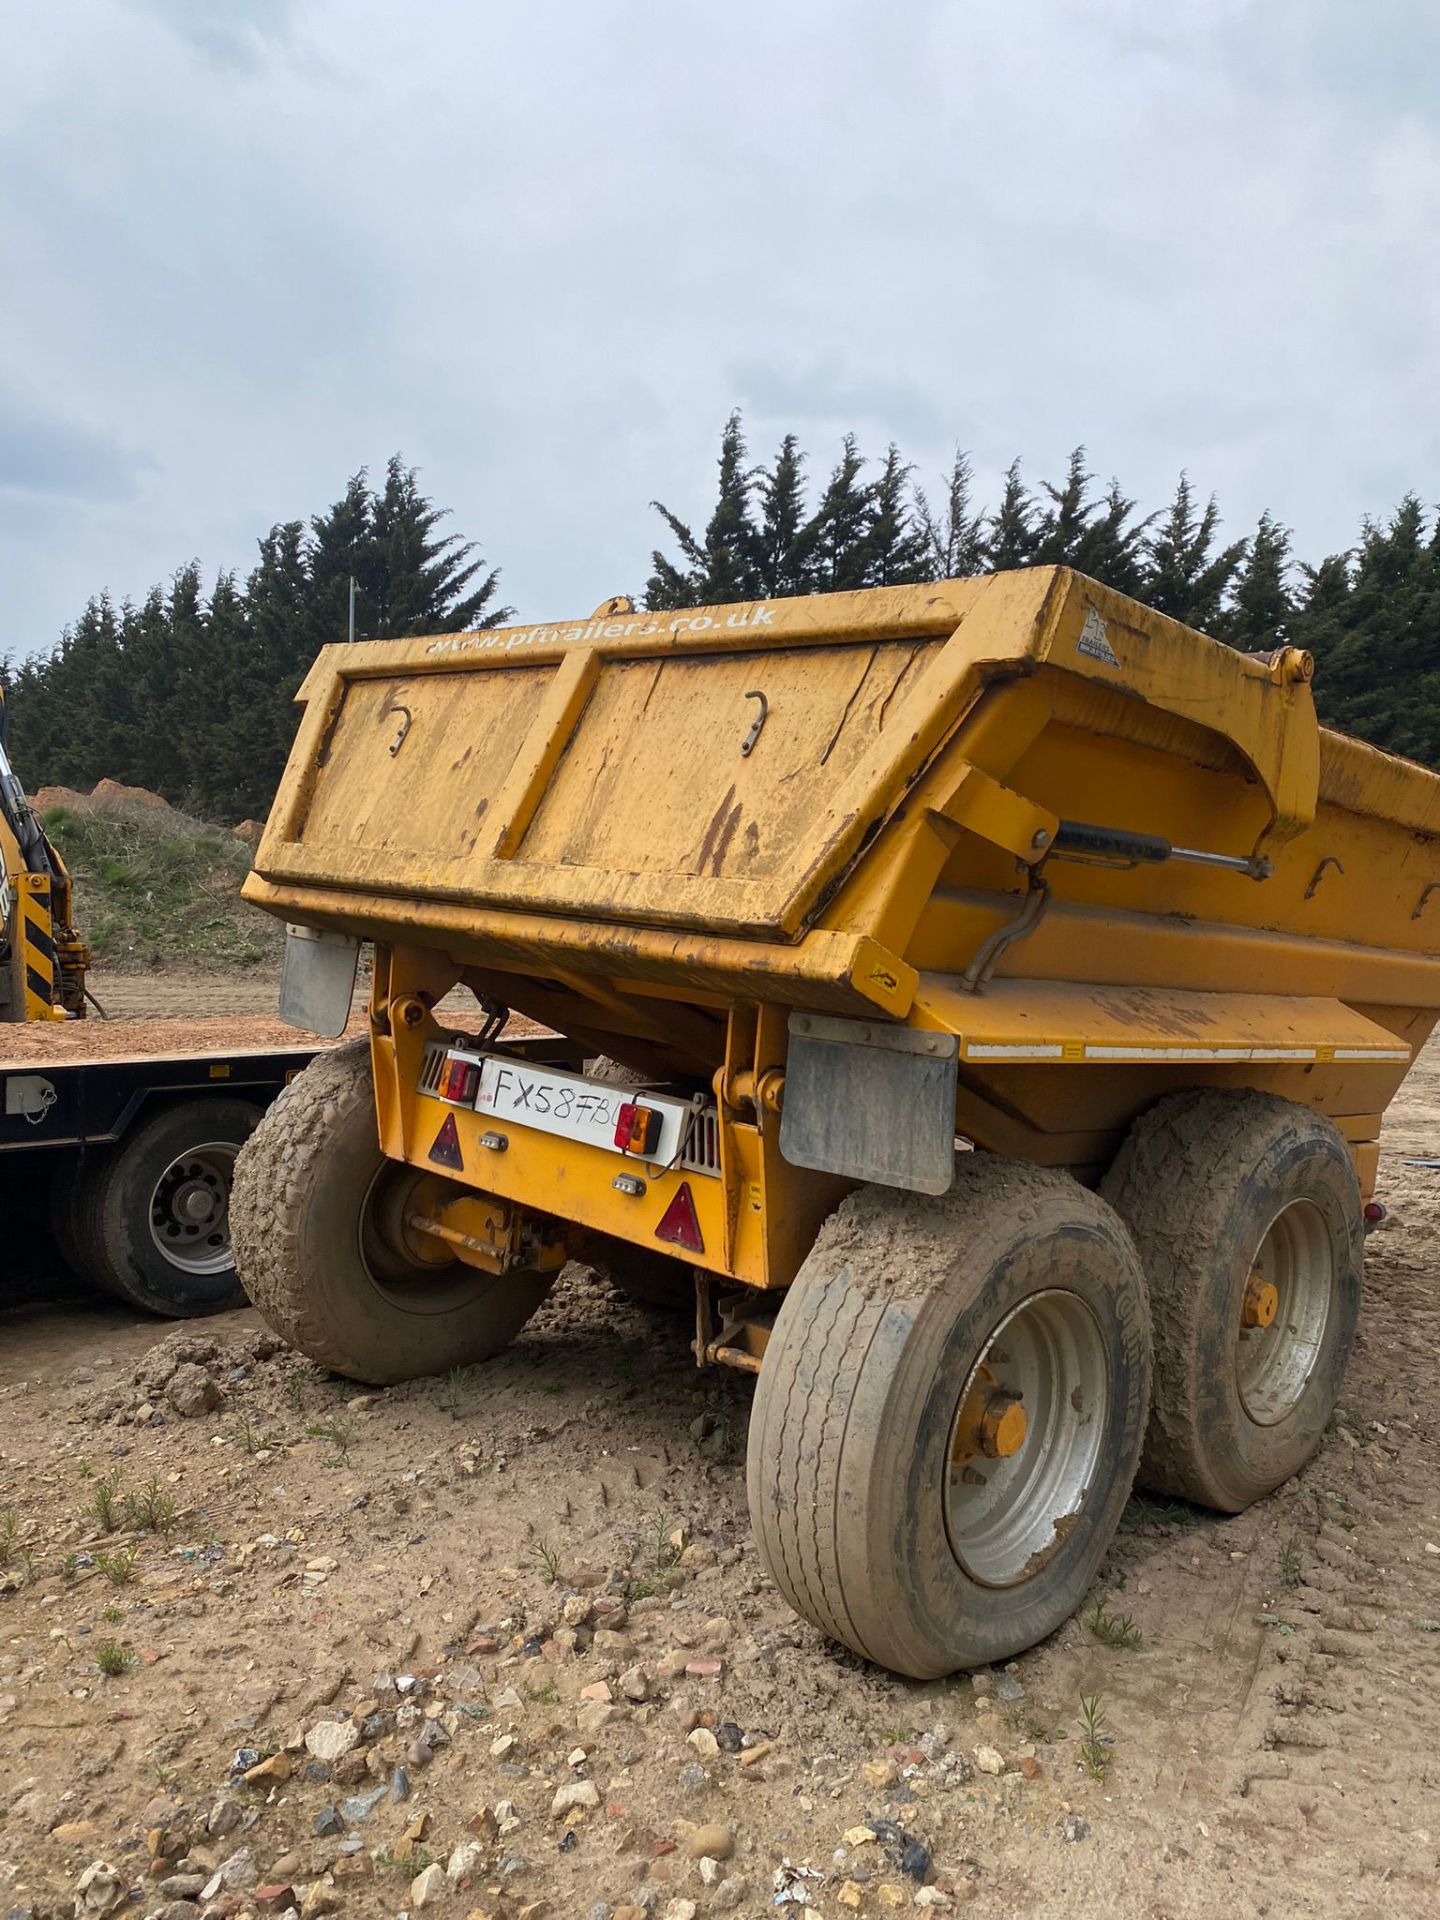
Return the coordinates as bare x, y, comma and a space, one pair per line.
114, 794
183, 1375
49, 797
249, 831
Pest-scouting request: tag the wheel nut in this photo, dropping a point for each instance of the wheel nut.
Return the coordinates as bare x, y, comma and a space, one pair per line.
1262, 1303
1002, 1428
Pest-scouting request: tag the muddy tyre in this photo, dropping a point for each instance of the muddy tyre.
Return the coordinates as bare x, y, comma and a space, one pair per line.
949, 1414
307, 1218
1247, 1214
148, 1220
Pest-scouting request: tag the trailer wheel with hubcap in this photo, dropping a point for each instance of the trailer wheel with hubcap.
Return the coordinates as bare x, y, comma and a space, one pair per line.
320, 1242
148, 1219
1247, 1214
949, 1414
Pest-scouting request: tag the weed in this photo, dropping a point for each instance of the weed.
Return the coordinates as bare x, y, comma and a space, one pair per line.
112, 1616
102, 1505
548, 1563
1291, 1560
1112, 1629
119, 1568
1094, 1737
69, 1566
1427, 1626
339, 1432
547, 1695
1142, 1511
27, 1558
112, 1658
300, 1377
153, 1511
666, 1545
84, 1468
251, 1438
9, 1536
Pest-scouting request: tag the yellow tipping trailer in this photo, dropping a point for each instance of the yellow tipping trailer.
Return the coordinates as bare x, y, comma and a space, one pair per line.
816, 896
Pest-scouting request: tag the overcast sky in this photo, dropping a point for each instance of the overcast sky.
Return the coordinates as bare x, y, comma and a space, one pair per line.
248, 246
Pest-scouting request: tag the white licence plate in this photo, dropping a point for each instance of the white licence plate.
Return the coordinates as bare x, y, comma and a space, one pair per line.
574, 1108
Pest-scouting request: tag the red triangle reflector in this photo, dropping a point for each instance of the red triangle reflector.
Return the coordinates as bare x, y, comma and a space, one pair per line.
679, 1223
446, 1150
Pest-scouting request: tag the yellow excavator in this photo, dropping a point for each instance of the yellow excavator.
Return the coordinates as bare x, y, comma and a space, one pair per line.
42, 959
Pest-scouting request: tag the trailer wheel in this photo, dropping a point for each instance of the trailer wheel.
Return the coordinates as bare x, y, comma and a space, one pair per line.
1247, 1214
313, 1193
949, 1414
148, 1220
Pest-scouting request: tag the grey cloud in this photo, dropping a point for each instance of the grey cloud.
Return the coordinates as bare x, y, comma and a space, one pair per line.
43, 455
235, 34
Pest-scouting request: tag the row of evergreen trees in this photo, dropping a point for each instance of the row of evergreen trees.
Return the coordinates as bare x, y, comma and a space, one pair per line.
190, 694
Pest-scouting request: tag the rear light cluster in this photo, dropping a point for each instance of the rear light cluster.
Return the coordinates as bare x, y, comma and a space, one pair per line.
637, 1130
459, 1081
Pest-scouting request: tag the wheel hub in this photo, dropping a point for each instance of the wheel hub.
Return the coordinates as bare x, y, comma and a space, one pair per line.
1262, 1302
190, 1209
1026, 1438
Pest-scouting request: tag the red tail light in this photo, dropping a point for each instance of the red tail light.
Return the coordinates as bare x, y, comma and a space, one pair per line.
679, 1223
637, 1129
459, 1081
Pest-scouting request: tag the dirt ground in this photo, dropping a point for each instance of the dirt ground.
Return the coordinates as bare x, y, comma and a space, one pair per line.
534, 1579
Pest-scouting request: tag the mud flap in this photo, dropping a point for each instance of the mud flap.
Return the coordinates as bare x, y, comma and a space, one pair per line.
870, 1102
317, 982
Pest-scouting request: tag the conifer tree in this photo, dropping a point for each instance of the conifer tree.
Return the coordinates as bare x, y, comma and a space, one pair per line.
1011, 537
784, 542
1183, 574
955, 533
1258, 616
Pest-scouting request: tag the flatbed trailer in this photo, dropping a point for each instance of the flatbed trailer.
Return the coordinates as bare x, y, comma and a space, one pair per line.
125, 1133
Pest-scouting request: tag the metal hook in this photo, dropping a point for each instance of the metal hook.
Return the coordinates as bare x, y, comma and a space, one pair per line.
756, 724
1328, 861
1434, 887
399, 740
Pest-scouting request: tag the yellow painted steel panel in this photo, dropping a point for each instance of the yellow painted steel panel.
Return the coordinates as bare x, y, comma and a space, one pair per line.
1014, 1021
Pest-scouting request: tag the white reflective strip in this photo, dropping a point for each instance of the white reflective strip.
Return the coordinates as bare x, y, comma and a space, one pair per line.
1372, 1053
1200, 1053
1021, 1050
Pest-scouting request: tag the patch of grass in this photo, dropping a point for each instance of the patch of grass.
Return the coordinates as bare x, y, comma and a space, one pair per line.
84, 1468
547, 1694
339, 1432
1112, 1629
154, 882
112, 1616
300, 1377
103, 1508
9, 1536
152, 1511
1292, 1558
1142, 1511
547, 1563
250, 1437
113, 1659
1094, 1737
120, 1569
1019, 1719
69, 1566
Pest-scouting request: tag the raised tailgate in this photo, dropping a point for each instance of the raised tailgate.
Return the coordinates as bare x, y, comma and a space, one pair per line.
613, 782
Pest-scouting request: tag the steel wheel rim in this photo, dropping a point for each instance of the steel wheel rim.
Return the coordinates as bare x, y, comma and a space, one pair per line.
403, 1281
190, 1209
1004, 1515
1274, 1364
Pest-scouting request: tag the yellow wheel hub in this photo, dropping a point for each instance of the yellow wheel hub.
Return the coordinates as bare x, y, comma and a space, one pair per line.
1262, 1303
992, 1422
